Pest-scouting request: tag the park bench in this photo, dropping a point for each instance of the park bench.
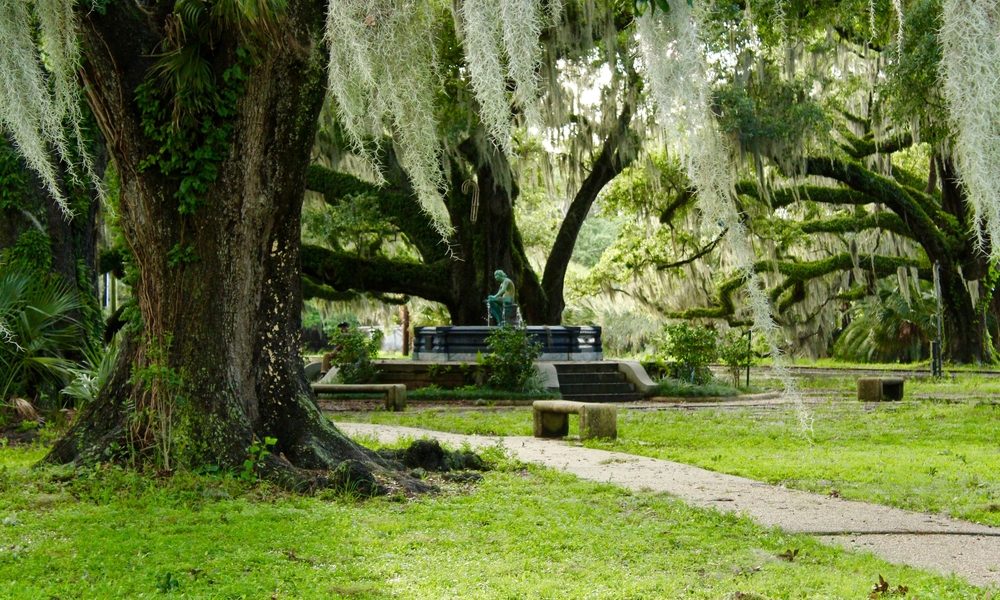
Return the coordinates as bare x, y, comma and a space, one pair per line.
877, 389
596, 420
395, 393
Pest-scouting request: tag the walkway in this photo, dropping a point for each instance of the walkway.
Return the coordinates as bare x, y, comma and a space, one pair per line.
921, 540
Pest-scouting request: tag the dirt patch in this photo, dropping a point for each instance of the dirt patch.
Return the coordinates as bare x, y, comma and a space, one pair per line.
17, 435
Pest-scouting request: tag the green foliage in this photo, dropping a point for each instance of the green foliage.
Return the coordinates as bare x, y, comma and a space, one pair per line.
181, 255
475, 392
356, 224
688, 350
37, 333
889, 327
675, 388
32, 251
511, 360
13, 180
736, 353
911, 92
640, 6
156, 414
353, 354
770, 115
90, 377
256, 453
192, 142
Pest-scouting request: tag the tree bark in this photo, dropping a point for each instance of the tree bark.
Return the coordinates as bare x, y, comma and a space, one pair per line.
609, 163
215, 365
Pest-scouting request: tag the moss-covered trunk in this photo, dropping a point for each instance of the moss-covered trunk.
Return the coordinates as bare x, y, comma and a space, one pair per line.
489, 243
214, 364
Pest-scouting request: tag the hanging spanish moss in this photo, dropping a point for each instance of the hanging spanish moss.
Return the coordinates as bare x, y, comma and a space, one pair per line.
382, 76
498, 34
482, 37
779, 16
970, 68
38, 89
897, 6
679, 83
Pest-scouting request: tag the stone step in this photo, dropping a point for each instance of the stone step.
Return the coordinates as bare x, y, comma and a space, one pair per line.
592, 377
572, 389
586, 367
626, 397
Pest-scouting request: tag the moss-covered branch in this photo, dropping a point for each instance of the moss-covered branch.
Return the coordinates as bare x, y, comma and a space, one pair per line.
885, 221
796, 275
925, 225
400, 209
783, 197
346, 272
862, 147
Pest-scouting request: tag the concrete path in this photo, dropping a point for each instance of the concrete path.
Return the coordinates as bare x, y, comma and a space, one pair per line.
921, 540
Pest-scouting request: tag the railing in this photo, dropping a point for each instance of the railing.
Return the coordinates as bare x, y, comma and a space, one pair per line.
464, 342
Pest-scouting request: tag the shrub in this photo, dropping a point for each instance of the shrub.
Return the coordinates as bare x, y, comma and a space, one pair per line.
37, 334
353, 354
682, 389
688, 350
735, 352
511, 359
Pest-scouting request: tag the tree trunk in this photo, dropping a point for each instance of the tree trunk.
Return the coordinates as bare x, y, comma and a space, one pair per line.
491, 243
215, 365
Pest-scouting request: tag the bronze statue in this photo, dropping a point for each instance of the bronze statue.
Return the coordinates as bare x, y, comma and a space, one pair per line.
502, 303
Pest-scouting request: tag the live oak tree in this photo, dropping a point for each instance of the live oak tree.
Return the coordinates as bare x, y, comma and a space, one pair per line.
209, 112
843, 171
482, 185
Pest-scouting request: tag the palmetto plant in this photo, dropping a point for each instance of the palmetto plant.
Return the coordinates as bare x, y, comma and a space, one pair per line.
37, 333
888, 327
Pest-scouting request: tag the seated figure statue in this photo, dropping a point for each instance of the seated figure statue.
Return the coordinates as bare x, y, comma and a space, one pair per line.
501, 304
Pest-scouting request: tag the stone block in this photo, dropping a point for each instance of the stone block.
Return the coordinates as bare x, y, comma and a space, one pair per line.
598, 421
877, 389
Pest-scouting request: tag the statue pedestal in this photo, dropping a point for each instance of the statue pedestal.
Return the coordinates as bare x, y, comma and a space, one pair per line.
464, 342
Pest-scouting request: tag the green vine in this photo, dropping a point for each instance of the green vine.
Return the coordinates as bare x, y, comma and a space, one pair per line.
180, 254
192, 147
33, 250
13, 185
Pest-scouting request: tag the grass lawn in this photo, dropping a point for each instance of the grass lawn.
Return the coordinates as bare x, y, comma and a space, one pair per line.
520, 533
925, 456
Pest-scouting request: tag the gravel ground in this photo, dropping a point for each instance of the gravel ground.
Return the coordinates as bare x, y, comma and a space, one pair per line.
921, 540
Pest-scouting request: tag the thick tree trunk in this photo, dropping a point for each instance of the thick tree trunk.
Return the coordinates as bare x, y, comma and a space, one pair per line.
489, 244
216, 364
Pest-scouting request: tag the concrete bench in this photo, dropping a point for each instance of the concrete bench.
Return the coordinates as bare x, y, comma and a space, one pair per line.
877, 389
596, 420
395, 393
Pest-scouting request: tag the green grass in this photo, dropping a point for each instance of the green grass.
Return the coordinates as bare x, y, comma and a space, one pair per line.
925, 456
521, 533
682, 389
961, 386
474, 392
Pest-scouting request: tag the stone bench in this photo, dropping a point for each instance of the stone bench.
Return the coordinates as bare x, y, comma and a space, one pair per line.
877, 389
596, 420
395, 393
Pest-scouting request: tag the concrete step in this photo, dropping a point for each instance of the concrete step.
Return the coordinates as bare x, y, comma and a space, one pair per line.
587, 367
626, 397
571, 389
592, 377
